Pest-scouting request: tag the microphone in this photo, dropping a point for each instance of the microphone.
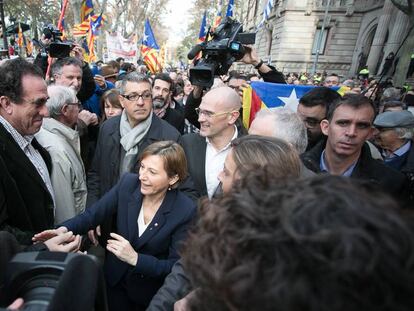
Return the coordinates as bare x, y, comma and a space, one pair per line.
194, 51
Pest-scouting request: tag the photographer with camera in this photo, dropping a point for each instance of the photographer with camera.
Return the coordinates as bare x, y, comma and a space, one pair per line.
53, 48
267, 72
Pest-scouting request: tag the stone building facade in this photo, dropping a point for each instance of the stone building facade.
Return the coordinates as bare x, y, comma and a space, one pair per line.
357, 33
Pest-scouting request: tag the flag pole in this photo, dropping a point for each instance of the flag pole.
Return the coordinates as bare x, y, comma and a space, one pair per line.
318, 45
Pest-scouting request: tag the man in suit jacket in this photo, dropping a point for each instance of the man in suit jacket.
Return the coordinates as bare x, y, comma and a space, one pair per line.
122, 139
207, 150
26, 193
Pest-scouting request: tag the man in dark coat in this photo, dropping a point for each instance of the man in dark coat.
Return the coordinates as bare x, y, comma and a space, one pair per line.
394, 136
164, 105
207, 150
26, 193
347, 126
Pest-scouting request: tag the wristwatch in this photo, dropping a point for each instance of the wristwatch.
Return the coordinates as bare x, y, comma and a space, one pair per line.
259, 64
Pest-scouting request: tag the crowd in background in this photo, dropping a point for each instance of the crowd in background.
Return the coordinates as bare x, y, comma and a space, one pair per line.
188, 209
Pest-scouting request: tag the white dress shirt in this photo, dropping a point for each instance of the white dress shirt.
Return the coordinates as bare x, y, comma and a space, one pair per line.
214, 163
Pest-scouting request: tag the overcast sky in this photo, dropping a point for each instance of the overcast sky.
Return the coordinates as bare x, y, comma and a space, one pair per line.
176, 19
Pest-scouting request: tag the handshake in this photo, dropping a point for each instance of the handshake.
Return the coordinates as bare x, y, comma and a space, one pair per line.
59, 240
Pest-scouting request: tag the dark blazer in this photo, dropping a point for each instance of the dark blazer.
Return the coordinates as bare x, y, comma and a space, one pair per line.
104, 172
157, 247
175, 118
195, 151
367, 168
26, 206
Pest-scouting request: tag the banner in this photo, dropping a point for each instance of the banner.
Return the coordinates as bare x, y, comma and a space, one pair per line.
118, 46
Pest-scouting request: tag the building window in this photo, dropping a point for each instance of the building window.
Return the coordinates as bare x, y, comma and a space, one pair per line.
323, 41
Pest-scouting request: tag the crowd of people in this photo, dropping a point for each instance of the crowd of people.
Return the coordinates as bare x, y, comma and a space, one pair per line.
189, 210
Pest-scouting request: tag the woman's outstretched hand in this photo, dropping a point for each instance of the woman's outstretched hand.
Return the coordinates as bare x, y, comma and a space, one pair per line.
48, 234
122, 249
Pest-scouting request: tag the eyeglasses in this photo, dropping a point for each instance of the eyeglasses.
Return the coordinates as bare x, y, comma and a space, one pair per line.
210, 114
135, 97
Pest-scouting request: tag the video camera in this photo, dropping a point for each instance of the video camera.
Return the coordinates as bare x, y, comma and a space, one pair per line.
55, 281
218, 54
57, 48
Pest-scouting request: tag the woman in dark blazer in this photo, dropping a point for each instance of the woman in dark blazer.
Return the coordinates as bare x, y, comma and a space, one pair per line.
152, 220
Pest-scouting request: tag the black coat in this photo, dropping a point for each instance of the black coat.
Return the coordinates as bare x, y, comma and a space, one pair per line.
195, 150
367, 168
175, 118
26, 206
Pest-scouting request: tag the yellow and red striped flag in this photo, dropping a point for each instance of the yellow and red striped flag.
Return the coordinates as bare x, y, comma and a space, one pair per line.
149, 49
86, 9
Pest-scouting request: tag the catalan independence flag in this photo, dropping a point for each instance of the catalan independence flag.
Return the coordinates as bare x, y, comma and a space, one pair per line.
149, 49
61, 21
86, 9
93, 33
230, 8
217, 19
203, 29
260, 95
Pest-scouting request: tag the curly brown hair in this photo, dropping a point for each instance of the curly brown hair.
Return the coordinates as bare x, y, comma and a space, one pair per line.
326, 243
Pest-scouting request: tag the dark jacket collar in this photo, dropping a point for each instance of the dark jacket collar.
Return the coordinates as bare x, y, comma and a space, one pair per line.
134, 208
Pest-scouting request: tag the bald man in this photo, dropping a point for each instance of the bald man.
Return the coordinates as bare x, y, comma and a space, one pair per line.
206, 151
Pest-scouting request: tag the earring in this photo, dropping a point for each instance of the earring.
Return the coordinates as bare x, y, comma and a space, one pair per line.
169, 188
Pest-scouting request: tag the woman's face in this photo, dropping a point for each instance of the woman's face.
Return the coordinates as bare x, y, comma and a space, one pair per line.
153, 177
111, 111
228, 175
187, 87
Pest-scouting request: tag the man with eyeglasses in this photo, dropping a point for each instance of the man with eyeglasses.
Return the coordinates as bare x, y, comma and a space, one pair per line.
312, 109
207, 150
164, 105
122, 139
26, 193
60, 138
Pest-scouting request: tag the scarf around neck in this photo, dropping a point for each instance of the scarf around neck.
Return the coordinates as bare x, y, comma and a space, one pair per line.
130, 139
